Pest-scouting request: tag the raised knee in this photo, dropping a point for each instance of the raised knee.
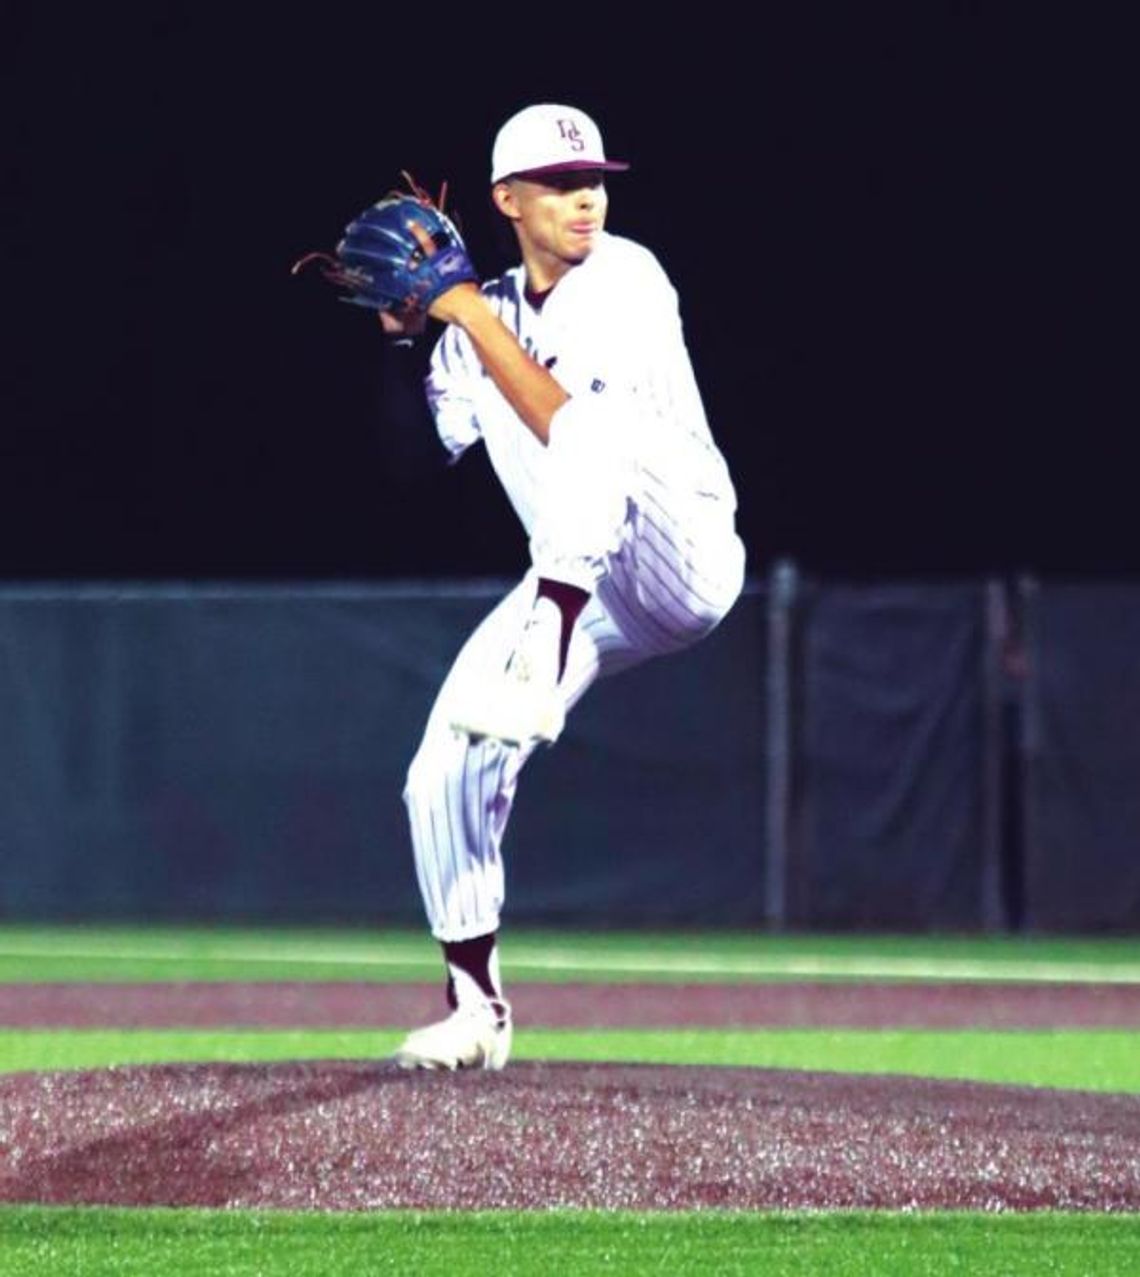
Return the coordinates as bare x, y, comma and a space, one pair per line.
719, 591
706, 616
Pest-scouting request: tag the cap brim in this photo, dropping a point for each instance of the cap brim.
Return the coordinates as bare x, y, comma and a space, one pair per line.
573, 166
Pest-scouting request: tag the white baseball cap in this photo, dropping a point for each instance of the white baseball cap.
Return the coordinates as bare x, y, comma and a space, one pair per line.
549, 139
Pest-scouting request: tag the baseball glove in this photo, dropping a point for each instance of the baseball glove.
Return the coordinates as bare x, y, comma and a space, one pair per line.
399, 255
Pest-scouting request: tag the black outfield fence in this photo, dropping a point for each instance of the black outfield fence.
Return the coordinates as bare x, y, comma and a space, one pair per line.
887, 756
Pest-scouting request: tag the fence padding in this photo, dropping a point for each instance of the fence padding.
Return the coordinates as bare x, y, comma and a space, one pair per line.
1082, 855
214, 753
889, 772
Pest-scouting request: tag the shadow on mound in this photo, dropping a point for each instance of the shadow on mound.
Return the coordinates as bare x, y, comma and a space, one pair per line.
357, 1136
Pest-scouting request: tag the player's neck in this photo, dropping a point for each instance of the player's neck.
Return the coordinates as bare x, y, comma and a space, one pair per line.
543, 271
535, 299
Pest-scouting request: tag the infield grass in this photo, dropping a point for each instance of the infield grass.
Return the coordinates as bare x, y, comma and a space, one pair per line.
1095, 1060
103, 953
141, 1243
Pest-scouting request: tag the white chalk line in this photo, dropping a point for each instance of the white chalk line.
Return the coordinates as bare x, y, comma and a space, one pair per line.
566, 962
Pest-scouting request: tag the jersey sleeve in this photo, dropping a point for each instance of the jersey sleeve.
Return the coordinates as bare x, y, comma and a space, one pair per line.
452, 377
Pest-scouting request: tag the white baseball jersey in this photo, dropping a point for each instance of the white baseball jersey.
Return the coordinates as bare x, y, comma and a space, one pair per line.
630, 500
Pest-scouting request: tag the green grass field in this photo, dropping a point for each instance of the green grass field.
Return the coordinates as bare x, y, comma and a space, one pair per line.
41, 1242
1094, 1060
46, 1241
228, 953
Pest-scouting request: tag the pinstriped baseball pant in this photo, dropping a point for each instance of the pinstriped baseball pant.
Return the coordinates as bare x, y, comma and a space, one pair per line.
678, 570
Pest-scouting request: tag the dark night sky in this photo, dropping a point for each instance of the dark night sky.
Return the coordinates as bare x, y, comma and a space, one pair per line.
893, 229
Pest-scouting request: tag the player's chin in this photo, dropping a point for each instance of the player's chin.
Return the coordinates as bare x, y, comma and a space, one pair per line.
579, 246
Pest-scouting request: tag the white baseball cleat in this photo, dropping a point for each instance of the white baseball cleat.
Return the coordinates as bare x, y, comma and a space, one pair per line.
522, 704
477, 1036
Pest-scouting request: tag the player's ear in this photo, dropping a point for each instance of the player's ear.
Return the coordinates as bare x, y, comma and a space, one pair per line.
504, 199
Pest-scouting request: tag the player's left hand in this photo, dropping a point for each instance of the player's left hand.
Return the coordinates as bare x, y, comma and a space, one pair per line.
398, 257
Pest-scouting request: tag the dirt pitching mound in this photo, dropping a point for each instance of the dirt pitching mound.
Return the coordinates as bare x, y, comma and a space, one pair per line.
357, 1136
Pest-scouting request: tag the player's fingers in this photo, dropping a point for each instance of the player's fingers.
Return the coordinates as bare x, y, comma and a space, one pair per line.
423, 239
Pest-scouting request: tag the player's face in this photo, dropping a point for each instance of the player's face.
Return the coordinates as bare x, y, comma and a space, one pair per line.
558, 218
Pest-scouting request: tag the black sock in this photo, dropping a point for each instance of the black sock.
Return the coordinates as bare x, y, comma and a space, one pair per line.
570, 600
472, 957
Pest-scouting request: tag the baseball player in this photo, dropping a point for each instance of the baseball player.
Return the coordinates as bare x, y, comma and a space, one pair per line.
572, 371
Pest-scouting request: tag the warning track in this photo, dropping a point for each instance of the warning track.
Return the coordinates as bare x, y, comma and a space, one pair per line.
892, 1004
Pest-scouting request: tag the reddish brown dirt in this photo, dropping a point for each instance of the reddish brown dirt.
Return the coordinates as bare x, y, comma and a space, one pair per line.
886, 1005
364, 1136
348, 1136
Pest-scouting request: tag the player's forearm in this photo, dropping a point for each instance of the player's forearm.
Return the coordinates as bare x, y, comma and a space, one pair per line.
528, 387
